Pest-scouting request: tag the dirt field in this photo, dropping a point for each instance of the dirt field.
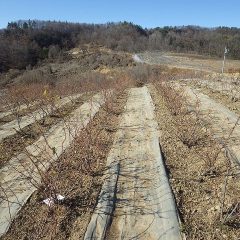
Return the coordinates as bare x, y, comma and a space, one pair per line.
188, 61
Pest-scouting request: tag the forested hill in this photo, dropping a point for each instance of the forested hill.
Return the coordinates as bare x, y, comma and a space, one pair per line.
25, 43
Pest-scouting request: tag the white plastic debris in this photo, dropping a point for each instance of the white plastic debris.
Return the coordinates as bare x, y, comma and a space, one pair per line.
60, 197
50, 201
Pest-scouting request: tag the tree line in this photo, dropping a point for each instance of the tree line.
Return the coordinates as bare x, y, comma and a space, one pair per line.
25, 43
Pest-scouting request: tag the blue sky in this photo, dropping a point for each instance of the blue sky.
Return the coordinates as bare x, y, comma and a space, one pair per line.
151, 13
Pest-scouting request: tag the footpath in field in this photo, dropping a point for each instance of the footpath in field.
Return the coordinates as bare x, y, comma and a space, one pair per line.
225, 123
22, 174
136, 201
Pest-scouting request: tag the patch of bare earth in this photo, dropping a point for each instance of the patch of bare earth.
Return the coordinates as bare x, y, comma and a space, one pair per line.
205, 185
187, 61
78, 177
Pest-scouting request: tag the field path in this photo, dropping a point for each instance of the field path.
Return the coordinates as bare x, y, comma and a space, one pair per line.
20, 176
136, 197
222, 120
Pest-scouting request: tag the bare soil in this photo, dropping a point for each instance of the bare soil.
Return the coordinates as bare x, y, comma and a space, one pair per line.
187, 61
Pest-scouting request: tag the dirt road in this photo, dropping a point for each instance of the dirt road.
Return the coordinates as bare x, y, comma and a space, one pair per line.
186, 61
136, 197
225, 88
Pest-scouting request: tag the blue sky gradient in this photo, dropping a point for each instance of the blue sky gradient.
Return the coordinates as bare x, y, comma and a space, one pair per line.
152, 13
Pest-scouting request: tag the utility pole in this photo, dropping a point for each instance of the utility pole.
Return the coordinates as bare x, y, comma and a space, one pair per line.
224, 58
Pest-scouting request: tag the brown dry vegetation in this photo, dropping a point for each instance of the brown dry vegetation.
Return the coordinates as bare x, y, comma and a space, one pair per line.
198, 169
229, 101
97, 136
32, 132
78, 178
204, 181
189, 61
83, 64
78, 172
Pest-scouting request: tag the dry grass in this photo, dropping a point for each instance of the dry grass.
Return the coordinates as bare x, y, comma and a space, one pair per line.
29, 134
77, 173
78, 178
198, 173
227, 100
205, 185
